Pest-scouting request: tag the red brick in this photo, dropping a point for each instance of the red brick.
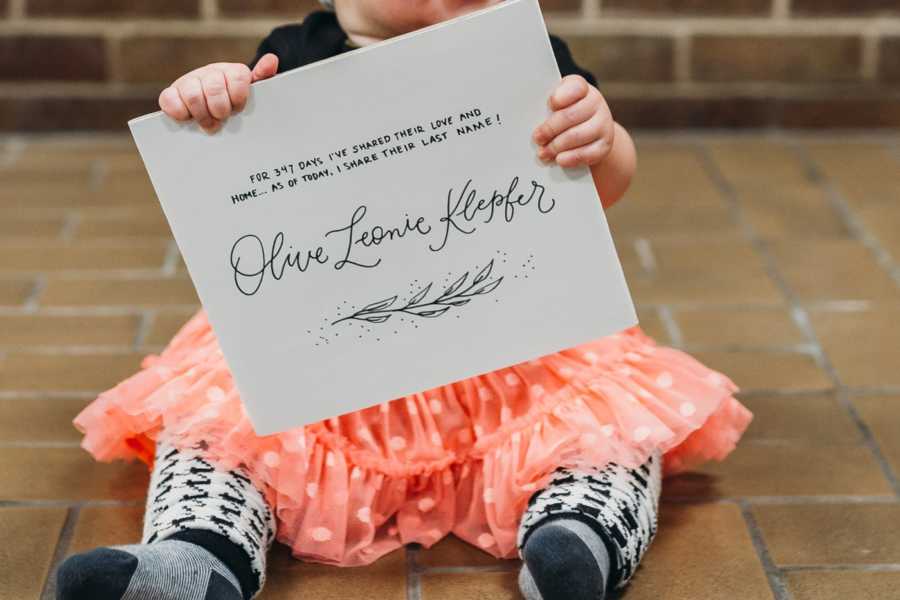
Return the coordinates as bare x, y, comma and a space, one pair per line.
788, 59
105, 8
161, 60
625, 57
854, 112
889, 59
680, 112
845, 8
689, 7
52, 57
67, 113
288, 8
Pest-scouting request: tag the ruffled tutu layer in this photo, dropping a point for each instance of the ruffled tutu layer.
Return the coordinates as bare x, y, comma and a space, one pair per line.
463, 458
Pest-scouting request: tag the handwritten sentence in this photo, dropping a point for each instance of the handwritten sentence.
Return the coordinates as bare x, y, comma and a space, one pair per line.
365, 152
253, 260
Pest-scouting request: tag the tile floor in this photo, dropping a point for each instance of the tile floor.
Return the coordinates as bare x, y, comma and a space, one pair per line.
774, 258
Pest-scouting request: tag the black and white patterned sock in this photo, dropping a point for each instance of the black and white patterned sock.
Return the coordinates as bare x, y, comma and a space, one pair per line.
565, 559
618, 505
168, 570
201, 522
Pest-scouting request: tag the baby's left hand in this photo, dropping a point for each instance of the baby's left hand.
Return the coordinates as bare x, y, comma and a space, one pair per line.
581, 129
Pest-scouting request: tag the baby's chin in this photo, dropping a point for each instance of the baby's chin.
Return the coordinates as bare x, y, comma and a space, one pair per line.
409, 15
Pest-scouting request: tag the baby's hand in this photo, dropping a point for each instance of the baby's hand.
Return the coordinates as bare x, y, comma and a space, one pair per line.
581, 129
210, 94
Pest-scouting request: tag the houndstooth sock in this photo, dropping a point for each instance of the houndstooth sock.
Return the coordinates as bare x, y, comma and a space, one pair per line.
202, 526
168, 570
585, 533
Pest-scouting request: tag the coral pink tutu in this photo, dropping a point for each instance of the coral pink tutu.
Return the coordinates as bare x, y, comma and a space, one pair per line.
463, 458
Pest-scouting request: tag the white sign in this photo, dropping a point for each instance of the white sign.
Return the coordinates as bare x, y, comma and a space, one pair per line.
378, 224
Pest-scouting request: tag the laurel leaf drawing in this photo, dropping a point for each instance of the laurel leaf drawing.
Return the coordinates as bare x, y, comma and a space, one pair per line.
429, 313
484, 273
488, 287
377, 318
379, 305
420, 296
455, 285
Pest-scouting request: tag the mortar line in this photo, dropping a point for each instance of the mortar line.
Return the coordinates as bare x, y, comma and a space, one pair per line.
773, 574
145, 324
59, 554
69, 503
865, 568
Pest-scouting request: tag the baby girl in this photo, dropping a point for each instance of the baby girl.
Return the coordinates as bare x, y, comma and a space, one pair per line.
557, 461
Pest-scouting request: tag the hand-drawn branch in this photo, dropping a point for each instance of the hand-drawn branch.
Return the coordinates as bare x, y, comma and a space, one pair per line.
456, 295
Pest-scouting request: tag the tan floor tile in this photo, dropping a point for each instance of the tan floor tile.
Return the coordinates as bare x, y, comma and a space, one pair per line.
385, 579
675, 569
757, 327
60, 256
119, 292
756, 469
474, 586
12, 227
713, 272
749, 162
813, 420
833, 270
790, 211
147, 224
164, 327
15, 291
883, 221
862, 346
106, 526
39, 419
859, 170
651, 324
842, 585
633, 219
67, 474
659, 166
827, 534
758, 370
66, 372
453, 552
71, 193
56, 330
30, 536
882, 415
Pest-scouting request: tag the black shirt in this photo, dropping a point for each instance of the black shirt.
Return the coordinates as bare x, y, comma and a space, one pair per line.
320, 36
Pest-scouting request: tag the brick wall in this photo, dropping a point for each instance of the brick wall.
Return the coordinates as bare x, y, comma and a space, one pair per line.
92, 64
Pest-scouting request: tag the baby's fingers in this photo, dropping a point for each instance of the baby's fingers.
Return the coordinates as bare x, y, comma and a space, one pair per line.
595, 128
191, 91
237, 78
584, 155
215, 89
570, 90
566, 118
171, 103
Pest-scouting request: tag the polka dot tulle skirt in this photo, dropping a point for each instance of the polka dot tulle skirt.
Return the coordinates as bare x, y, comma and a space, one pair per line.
463, 458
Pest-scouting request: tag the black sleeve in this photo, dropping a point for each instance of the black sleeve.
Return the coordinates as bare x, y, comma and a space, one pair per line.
566, 63
318, 37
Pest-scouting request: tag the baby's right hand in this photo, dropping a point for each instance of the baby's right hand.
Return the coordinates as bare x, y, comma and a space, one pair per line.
212, 93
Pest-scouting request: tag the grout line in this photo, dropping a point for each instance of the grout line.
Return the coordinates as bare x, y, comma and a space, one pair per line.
785, 500
413, 583
864, 568
673, 330
839, 204
781, 9
69, 503
70, 225
170, 262
33, 445
31, 302
145, 324
62, 549
644, 251
869, 441
776, 581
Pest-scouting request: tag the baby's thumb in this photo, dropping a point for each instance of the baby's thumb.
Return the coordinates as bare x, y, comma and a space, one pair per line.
265, 67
